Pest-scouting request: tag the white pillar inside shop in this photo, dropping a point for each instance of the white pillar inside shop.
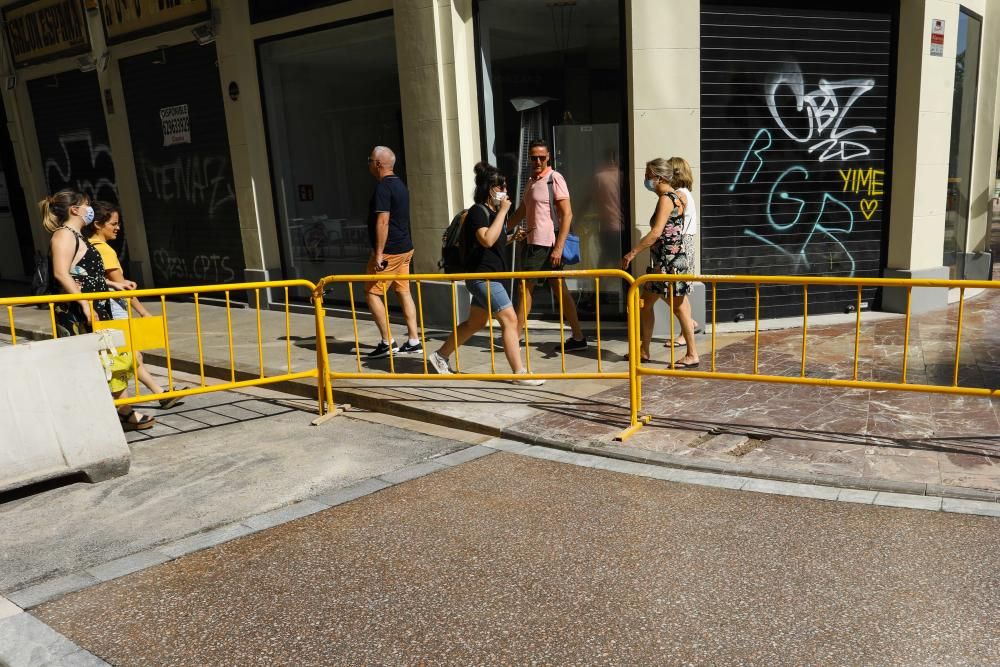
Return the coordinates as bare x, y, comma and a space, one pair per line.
665, 100
920, 153
434, 49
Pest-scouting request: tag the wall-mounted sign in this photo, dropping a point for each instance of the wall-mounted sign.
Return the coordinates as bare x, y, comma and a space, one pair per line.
176, 125
937, 37
124, 19
45, 30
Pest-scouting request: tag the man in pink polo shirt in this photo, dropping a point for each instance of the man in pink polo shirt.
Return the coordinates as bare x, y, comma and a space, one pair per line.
546, 238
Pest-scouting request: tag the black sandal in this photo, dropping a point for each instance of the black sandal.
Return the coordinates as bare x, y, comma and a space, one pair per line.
133, 421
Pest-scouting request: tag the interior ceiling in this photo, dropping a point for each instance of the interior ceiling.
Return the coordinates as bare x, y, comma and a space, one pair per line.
519, 28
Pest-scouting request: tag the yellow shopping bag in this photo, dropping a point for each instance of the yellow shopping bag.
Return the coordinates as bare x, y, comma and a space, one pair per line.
147, 332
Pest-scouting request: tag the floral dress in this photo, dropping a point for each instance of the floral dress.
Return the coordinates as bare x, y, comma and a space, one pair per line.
669, 253
89, 275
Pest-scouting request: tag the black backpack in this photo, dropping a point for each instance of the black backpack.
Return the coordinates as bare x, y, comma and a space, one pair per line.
452, 252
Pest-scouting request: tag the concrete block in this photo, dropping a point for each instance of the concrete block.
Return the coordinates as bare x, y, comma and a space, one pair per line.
509, 446
412, 472
908, 501
709, 479
127, 565
284, 514
353, 492
792, 489
83, 659
8, 608
662, 325
438, 311
205, 540
27, 642
970, 507
857, 496
49, 430
464, 455
32, 596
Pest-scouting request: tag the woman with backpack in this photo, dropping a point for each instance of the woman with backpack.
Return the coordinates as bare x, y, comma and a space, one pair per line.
483, 240
77, 268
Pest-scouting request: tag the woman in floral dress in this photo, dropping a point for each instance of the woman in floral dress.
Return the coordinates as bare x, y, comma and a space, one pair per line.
668, 254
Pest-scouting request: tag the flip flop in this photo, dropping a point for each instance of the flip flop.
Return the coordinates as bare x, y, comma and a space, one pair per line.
642, 360
677, 343
680, 365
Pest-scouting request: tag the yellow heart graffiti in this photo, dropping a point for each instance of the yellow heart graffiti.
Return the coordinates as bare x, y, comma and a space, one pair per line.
868, 207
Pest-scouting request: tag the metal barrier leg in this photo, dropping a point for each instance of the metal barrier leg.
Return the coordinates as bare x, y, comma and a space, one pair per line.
323, 384
635, 423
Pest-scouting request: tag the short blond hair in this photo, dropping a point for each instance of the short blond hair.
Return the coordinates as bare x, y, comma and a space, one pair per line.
682, 178
661, 168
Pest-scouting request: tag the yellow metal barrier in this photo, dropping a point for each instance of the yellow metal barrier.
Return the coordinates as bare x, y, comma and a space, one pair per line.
418, 280
637, 370
132, 327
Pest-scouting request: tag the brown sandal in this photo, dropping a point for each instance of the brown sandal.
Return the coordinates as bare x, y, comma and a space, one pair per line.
133, 421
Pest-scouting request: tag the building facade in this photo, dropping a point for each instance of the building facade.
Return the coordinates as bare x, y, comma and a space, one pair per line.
848, 138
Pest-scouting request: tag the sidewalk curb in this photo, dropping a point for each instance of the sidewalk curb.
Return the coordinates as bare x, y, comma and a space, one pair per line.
358, 397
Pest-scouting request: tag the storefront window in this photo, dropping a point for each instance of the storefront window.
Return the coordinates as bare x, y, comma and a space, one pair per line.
554, 71
330, 97
963, 120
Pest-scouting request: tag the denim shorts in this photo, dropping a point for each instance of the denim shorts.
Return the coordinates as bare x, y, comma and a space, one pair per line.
499, 299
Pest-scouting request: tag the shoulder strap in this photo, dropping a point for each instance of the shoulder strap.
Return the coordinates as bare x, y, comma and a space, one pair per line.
76, 237
552, 202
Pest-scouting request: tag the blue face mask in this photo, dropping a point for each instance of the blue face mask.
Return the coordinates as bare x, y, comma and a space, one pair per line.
650, 184
88, 214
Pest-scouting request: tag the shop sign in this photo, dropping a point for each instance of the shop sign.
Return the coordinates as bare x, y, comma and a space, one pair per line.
937, 37
176, 125
45, 30
126, 18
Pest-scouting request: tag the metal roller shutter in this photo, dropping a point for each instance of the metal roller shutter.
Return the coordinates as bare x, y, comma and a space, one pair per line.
796, 135
178, 128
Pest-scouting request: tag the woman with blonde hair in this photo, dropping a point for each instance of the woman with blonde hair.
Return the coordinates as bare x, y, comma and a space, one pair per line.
668, 254
682, 182
77, 268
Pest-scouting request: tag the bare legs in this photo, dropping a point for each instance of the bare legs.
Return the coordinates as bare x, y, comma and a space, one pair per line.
377, 308
569, 307
682, 309
478, 317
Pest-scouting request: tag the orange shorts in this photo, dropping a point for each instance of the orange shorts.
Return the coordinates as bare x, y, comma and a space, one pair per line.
398, 265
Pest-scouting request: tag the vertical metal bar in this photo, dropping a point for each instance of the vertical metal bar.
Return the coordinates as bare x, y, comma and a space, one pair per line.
260, 336
562, 332
423, 337
489, 316
633, 355
10, 320
288, 331
52, 314
857, 335
197, 328
805, 325
958, 335
597, 315
388, 328
454, 317
906, 334
232, 356
670, 301
323, 368
756, 326
166, 342
638, 354
131, 342
354, 319
524, 310
713, 325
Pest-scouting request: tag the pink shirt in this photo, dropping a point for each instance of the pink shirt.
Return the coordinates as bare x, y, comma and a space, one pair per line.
541, 230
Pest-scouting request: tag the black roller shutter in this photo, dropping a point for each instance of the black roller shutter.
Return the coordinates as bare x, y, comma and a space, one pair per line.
796, 132
186, 187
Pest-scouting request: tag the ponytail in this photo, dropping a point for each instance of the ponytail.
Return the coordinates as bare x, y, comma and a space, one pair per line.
55, 209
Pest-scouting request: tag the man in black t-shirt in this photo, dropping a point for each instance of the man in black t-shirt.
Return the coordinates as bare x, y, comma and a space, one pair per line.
392, 252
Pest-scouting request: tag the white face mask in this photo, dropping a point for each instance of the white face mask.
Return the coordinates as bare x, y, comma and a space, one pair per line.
500, 196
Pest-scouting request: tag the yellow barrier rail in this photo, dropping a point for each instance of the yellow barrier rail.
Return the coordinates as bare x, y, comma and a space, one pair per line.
199, 293
637, 370
418, 281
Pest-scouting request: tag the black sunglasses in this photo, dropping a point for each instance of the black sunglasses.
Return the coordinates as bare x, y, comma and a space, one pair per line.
538, 158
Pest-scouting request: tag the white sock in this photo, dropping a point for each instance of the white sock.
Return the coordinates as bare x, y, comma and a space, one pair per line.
413, 342
386, 342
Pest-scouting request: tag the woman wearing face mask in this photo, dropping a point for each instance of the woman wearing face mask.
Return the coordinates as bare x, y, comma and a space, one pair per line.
77, 268
668, 254
105, 228
483, 241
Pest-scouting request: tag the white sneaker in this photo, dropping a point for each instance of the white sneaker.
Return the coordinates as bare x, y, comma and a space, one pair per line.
527, 382
439, 363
